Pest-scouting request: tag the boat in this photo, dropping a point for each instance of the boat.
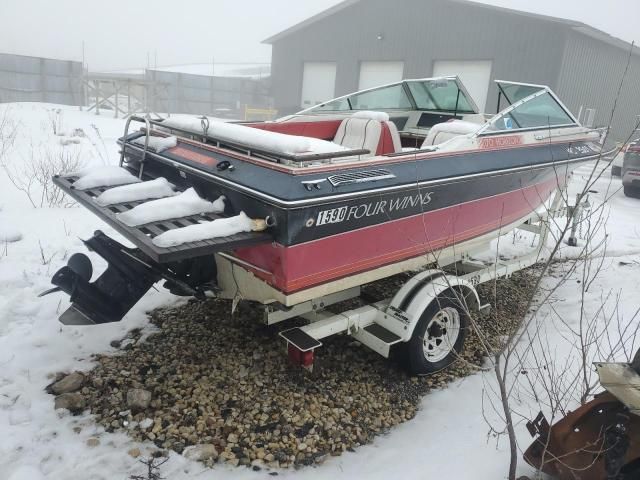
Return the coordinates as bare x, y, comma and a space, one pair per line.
341, 192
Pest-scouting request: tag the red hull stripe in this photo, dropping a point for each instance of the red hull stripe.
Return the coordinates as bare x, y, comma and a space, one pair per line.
319, 261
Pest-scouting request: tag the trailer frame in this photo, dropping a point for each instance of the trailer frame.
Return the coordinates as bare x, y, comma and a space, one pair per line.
382, 324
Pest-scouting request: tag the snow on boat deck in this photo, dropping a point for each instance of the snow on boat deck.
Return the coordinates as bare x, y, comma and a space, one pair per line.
183, 205
152, 189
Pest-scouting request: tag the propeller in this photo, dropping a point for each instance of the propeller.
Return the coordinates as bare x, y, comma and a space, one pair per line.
80, 264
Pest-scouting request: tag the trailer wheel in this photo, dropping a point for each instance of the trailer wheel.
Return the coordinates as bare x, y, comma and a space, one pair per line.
438, 337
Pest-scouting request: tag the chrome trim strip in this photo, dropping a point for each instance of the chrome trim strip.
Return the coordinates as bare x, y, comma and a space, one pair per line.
360, 177
303, 203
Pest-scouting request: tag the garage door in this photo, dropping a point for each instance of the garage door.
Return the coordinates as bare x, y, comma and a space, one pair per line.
318, 83
374, 74
475, 75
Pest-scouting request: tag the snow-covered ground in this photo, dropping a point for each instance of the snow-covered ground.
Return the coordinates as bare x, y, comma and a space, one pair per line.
448, 438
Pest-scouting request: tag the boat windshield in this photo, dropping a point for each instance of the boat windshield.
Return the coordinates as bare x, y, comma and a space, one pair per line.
513, 92
445, 94
539, 109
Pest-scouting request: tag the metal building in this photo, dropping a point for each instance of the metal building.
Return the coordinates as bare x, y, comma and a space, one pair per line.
362, 43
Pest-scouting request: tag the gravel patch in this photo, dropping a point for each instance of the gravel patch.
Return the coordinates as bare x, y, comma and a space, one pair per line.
223, 383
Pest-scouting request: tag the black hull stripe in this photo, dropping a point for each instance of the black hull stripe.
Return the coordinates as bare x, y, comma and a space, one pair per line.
289, 204
444, 196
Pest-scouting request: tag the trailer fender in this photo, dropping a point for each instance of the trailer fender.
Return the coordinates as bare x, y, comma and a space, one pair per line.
408, 304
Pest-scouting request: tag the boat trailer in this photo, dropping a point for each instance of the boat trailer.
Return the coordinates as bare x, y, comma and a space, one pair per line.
429, 314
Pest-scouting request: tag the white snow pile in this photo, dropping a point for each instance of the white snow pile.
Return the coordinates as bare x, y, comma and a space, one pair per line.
371, 115
106, 176
255, 137
222, 227
182, 205
157, 188
461, 127
316, 145
158, 144
8, 233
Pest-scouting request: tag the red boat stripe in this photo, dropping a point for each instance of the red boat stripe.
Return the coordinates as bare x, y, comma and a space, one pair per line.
312, 263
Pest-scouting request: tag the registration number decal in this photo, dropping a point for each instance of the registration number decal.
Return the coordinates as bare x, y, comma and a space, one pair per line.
335, 215
372, 209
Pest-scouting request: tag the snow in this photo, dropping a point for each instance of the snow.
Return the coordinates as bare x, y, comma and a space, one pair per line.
38, 442
182, 205
460, 127
152, 189
27, 472
318, 146
157, 144
222, 227
105, 176
370, 115
7, 232
255, 137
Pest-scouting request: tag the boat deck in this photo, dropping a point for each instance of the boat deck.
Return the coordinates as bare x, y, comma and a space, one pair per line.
142, 236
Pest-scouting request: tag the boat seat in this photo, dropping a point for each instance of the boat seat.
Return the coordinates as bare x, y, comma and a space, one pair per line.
371, 131
441, 132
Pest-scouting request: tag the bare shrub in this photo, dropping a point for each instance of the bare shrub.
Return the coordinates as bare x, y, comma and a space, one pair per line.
8, 133
153, 465
34, 174
99, 147
55, 118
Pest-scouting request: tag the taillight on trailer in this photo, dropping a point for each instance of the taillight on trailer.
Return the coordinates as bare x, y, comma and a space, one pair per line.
298, 357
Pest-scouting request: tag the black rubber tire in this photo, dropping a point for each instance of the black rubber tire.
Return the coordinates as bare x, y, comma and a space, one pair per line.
415, 361
631, 192
616, 171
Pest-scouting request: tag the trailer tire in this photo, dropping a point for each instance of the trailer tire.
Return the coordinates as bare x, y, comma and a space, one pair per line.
438, 337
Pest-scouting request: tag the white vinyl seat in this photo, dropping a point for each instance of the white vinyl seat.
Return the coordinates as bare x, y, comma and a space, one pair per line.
441, 132
370, 131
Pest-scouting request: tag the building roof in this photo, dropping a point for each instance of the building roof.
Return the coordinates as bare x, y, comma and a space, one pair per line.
572, 24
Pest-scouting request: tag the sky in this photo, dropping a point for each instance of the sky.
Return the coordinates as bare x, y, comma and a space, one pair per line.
120, 34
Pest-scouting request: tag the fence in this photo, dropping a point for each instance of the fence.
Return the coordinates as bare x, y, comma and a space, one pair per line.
35, 79
202, 94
